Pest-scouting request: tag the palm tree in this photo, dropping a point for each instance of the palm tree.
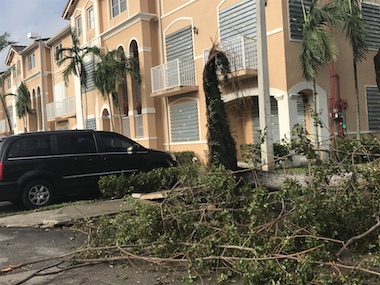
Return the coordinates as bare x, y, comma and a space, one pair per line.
112, 66
3, 76
221, 144
75, 56
22, 103
356, 31
4, 42
318, 47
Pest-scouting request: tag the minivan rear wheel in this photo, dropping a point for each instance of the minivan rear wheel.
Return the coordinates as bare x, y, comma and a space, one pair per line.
37, 193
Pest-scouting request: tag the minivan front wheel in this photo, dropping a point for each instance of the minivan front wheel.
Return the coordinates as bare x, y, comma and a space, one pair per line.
37, 193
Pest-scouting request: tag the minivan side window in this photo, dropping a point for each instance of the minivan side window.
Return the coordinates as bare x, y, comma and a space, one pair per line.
76, 143
30, 146
114, 143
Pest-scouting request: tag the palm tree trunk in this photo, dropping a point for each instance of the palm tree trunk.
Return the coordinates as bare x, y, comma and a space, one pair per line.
111, 114
316, 124
358, 136
120, 120
24, 122
7, 114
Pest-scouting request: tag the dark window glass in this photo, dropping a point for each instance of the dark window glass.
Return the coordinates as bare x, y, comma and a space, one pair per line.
114, 143
31, 146
77, 143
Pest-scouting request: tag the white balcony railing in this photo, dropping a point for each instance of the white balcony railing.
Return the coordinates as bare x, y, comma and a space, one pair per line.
175, 73
242, 53
61, 109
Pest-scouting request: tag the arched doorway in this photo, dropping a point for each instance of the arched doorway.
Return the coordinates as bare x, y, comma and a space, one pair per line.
310, 111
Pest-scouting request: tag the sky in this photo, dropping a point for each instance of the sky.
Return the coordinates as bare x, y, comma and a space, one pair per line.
20, 17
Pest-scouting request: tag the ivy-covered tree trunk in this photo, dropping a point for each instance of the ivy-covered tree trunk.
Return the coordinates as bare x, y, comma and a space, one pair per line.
221, 145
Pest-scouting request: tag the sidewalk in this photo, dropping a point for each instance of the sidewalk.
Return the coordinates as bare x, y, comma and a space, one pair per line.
65, 215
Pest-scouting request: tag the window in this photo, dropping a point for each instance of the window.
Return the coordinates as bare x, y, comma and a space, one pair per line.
179, 45
14, 72
184, 122
78, 22
32, 61
89, 66
274, 120
18, 67
33, 146
91, 124
77, 143
114, 143
238, 20
118, 6
373, 108
90, 18
371, 15
296, 17
57, 48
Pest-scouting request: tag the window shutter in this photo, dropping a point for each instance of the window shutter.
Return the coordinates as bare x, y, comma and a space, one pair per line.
184, 122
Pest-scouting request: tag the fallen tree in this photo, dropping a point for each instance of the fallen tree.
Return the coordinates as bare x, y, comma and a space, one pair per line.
302, 233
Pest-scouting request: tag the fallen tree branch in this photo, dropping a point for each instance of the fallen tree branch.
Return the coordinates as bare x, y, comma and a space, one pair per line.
351, 240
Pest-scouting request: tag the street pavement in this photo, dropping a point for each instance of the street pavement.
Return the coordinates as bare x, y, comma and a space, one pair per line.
40, 235
46, 235
64, 215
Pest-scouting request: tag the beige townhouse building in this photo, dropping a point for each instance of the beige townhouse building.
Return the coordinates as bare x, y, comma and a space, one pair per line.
171, 39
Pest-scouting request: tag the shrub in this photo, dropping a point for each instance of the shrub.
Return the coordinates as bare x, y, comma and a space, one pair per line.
185, 157
117, 186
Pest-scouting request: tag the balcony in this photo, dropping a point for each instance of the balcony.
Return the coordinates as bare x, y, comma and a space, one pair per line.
242, 54
173, 78
63, 109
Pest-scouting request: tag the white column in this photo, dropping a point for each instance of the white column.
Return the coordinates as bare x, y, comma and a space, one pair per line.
263, 85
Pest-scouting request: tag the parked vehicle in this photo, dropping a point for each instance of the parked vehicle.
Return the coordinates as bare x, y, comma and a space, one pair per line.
35, 168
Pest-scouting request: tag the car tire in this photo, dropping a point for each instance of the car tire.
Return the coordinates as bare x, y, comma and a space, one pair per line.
37, 193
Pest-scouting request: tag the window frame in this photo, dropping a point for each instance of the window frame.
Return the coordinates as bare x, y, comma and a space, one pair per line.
32, 61
117, 7
373, 109
58, 46
372, 19
295, 20
79, 26
184, 122
18, 68
90, 18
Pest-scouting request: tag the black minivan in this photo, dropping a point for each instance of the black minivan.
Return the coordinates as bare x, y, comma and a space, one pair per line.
37, 167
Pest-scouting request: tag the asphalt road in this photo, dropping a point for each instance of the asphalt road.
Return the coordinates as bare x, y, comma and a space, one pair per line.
24, 245
29, 244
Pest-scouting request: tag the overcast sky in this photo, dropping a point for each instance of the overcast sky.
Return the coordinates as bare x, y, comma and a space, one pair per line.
19, 17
